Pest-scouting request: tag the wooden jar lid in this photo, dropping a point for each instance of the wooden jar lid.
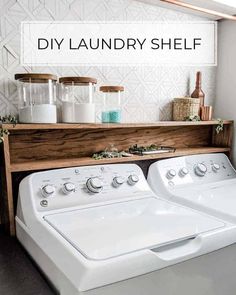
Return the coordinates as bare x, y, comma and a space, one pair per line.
111, 88
35, 77
77, 80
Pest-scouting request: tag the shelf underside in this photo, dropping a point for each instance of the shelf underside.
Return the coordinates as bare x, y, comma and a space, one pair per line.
73, 162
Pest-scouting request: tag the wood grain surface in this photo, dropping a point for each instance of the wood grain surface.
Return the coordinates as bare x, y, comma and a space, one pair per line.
69, 143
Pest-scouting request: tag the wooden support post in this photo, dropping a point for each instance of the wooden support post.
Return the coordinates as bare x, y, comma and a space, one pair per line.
9, 220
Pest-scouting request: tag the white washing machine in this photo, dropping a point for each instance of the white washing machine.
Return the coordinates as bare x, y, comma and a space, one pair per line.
100, 230
205, 182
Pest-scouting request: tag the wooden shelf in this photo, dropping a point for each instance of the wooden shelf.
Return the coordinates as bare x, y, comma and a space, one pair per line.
35, 147
111, 126
62, 163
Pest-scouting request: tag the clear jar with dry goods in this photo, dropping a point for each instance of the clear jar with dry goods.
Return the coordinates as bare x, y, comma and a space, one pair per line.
77, 94
111, 111
37, 98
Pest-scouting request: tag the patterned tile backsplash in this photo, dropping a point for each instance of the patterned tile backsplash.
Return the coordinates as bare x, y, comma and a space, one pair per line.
148, 90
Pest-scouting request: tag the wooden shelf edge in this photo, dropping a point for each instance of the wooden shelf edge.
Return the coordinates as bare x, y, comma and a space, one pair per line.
87, 161
110, 126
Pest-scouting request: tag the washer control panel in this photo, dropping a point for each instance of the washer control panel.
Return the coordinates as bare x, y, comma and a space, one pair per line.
205, 168
64, 188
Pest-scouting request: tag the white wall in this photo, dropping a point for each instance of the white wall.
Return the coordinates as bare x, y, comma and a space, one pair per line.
148, 90
225, 103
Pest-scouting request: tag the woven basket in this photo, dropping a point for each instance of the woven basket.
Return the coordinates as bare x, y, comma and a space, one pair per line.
183, 107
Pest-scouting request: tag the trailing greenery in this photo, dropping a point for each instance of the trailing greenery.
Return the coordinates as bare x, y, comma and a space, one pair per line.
219, 127
6, 120
107, 155
193, 118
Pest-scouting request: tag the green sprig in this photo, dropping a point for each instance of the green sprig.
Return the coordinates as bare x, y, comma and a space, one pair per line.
220, 126
9, 119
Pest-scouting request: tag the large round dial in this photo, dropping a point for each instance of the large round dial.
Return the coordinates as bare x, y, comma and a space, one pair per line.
94, 185
133, 179
171, 174
48, 190
117, 181
215, 167
68, 188
200, 169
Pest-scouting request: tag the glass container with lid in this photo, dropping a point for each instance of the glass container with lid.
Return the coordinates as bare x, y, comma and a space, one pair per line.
37, 98
111, 112
77, 99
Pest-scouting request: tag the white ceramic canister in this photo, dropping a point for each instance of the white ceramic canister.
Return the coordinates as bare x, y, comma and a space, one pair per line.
37, 98
77, 99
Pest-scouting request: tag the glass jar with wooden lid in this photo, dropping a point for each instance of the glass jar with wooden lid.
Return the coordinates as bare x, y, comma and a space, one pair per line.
36, 98
77, 94
111, 111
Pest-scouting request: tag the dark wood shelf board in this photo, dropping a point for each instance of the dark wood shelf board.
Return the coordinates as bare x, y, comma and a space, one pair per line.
86, 161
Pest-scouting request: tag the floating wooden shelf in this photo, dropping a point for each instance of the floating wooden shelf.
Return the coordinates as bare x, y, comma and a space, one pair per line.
111, 126
86, 161
34, 147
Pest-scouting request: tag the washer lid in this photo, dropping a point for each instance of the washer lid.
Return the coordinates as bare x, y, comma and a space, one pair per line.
218, 198
111, 230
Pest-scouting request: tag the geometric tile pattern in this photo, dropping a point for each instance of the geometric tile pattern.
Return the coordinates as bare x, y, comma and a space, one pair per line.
148, 90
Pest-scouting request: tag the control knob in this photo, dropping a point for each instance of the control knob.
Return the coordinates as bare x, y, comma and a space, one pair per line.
171, 174
183, 171
118, 181
48, 190
215, 167
68, 188
94, 185
200, 169
133, 179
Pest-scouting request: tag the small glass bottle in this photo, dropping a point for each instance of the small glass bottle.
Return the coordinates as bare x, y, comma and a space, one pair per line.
111, 112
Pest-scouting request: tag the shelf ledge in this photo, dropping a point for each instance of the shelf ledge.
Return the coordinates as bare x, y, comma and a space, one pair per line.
112, 126
86, 161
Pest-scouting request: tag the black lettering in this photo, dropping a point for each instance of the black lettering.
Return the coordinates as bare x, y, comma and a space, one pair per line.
141, 43
71, 47
59, 43
115, 43
40, 46
185, 45
107, 45
131, 42
195, 43
166, 43
91, 44
155, 42
176, 44
82, 44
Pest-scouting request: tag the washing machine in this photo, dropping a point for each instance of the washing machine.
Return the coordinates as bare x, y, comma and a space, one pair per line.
204, 182
101, 230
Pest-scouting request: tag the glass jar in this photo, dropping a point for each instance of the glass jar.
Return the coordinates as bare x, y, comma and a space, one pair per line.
37, 98
77, 99
111, 112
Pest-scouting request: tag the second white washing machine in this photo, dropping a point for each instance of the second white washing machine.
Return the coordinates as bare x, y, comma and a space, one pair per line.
204, 182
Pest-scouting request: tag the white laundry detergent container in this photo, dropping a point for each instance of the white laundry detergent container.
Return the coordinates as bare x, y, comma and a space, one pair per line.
77, 99
37, 98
